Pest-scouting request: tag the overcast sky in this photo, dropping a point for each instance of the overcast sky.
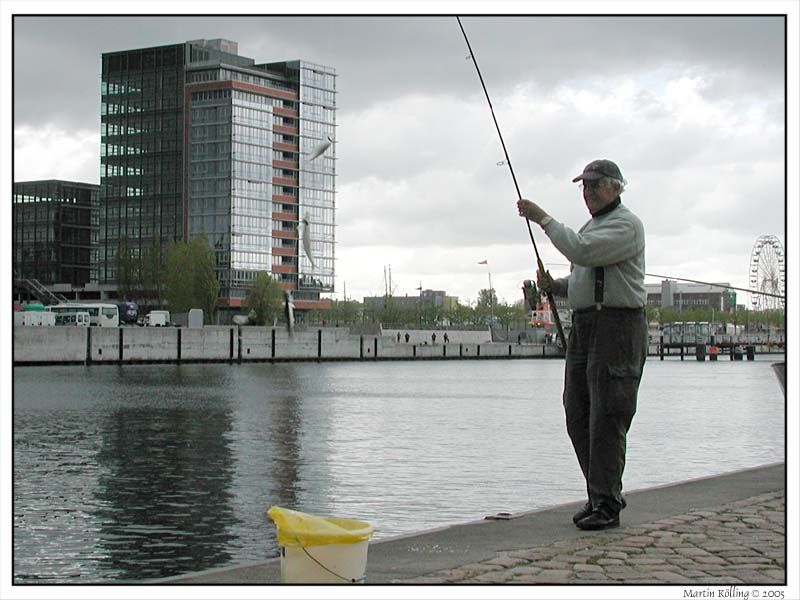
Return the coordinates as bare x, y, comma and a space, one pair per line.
691, 108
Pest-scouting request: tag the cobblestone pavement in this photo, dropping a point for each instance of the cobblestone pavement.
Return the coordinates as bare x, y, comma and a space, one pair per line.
741, 542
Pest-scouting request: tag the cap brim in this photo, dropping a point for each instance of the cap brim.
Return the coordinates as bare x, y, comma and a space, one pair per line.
588, 176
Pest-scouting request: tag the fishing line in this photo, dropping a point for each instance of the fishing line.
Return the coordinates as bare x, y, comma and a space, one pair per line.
507, 161
709, 283
730, 287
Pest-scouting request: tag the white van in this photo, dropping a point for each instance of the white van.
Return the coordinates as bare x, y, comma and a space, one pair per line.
157, 318
76, 319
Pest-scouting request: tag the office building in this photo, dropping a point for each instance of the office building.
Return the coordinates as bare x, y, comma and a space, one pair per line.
54, 235
197, 140
427, 300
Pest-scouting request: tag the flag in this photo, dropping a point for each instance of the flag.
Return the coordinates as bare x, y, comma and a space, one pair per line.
484, 262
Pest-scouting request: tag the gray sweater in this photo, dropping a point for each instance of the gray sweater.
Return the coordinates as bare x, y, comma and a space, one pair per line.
615, 241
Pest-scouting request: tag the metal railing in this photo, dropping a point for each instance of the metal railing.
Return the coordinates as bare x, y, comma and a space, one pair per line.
36, 288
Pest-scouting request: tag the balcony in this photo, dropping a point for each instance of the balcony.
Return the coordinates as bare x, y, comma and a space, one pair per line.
285, 129
286, 147
283, 216
312, 304
285, 164
286, 112
284, 268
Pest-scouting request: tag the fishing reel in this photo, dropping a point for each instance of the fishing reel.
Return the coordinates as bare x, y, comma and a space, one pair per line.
533, 297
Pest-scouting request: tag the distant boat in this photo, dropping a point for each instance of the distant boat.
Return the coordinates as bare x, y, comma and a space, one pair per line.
780, 371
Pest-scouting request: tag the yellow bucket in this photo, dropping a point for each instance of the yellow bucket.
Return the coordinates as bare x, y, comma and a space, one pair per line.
318, 549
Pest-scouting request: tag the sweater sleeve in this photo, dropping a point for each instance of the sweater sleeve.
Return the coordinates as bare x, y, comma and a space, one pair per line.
561, 287
606, 244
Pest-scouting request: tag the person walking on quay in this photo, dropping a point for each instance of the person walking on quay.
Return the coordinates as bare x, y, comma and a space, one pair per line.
408, 337
433, 338
446, 337
398, 337
607, 344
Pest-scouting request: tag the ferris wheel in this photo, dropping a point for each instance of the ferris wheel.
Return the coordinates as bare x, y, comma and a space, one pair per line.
768, 273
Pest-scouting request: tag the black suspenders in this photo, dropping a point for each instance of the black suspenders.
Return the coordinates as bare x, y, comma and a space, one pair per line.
599, 283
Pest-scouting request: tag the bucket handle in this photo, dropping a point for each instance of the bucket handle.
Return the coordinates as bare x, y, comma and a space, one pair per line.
347, 579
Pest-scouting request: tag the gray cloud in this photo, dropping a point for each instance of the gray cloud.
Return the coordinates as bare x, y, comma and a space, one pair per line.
382, 58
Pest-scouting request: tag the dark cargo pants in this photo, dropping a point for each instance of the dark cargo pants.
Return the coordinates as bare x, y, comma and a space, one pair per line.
605, 356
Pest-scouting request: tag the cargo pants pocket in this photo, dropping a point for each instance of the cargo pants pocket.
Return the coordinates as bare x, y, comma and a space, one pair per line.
622, 386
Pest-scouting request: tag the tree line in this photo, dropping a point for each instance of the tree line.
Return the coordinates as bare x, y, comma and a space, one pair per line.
182, 275
424, 313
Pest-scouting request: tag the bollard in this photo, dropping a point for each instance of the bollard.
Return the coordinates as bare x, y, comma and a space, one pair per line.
751, 352
700, 352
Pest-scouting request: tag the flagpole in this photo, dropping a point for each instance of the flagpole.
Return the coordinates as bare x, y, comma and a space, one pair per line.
491, 298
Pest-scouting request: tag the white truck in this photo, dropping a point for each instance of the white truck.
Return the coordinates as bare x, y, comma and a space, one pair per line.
157, 318
32, 318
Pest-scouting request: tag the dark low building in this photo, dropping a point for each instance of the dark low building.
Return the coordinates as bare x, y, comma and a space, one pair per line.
677, 294
54, 232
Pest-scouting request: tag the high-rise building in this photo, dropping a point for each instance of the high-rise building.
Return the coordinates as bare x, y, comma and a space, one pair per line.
54, 232
197, 140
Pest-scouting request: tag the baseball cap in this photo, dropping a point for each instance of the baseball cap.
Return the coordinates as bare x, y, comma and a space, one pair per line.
599, 168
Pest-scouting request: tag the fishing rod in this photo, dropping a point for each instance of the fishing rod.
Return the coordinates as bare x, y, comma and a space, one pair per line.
539, 262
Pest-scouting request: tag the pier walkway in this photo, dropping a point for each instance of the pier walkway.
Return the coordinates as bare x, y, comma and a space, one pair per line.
723, 530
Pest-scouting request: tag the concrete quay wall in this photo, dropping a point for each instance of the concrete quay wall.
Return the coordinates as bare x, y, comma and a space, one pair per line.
50, 344
54, 345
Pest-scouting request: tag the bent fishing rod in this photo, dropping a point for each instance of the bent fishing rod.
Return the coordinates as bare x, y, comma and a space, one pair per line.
539, 262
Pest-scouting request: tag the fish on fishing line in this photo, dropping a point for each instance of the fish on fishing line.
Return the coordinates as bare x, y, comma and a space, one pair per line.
320, 149
306, 235
288, 311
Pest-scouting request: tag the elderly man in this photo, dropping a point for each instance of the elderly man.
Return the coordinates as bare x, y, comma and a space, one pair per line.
607, 345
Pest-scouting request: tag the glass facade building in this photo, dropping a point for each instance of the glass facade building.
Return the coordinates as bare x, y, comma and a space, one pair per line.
141, 152
55, 225
211, 143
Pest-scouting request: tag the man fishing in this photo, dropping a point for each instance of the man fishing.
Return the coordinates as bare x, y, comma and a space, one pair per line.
607, 345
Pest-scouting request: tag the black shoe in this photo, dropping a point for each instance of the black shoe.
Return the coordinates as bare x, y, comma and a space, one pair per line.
582, 513
598, 521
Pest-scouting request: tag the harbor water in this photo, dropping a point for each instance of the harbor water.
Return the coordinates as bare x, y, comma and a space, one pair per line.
128, 473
